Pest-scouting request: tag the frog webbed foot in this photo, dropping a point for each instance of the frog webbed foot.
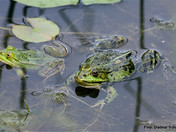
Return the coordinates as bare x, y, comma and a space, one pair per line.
57, 94
100, 103
111, 95
167, 67
21, 73
52, 68
54, 51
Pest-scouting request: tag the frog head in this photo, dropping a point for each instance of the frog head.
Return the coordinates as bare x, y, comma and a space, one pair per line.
92, 72
105, 67
87, 76
7, 56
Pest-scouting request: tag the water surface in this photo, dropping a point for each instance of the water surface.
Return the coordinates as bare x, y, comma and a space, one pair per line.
145, 98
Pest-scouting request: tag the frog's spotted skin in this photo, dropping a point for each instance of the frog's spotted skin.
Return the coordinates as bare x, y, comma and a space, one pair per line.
108, 42
161, 22
32, 59
151, 59
105, 67
115, 66
59, 49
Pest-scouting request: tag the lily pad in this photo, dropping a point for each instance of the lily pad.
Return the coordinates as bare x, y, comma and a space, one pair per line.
88, 2
55, 3
40, 30
47, 3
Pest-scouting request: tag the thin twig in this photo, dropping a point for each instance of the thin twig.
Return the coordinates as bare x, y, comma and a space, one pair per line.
3, 28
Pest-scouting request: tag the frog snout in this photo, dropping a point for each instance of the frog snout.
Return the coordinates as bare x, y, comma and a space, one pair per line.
77, 76
78, 79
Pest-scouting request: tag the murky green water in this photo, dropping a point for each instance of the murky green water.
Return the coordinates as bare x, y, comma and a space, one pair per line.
148, 98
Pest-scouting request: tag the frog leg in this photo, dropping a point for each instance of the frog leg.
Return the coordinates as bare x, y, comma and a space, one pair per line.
52, 68
60, 44
111, 95
20, 72
60, 49
167, 66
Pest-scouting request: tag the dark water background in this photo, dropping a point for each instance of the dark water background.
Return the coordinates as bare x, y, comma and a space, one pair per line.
148, 98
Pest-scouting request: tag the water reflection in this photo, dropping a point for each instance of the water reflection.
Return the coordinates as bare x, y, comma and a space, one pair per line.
23, 90
9, 20
11, 12
28, 9
141, 27
139, 101
88, 22
83, 92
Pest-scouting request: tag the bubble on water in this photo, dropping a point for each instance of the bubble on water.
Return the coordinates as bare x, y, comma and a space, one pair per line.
36, 93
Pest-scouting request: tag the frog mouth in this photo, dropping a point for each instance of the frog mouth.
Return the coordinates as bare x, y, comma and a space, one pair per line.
86, 84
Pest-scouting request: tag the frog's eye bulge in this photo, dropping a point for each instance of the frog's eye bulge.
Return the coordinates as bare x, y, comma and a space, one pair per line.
9, 55
10, 47
95, 72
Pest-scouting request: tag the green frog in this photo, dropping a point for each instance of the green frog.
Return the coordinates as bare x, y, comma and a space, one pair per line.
107, 67
162, 22
103, 43
32, 59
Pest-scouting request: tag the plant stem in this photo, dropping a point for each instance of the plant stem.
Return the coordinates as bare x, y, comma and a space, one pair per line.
3, 28
27, 106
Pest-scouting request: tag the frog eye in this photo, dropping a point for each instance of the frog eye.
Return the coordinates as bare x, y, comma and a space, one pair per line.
9, 55
95, 72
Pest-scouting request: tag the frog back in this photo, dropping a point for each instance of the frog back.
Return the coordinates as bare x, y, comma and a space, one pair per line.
117, 66
30, 59
108, 42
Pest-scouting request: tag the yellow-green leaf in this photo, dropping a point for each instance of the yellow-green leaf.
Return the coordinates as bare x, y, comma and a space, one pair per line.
47, 3
40, 30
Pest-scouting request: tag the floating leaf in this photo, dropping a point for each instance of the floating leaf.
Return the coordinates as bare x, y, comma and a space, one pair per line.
47, 3
40, 30
88, 2
55, 3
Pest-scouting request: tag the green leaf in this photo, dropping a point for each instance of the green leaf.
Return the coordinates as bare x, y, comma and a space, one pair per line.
55, 3
88, 2
40, 30
47, 3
